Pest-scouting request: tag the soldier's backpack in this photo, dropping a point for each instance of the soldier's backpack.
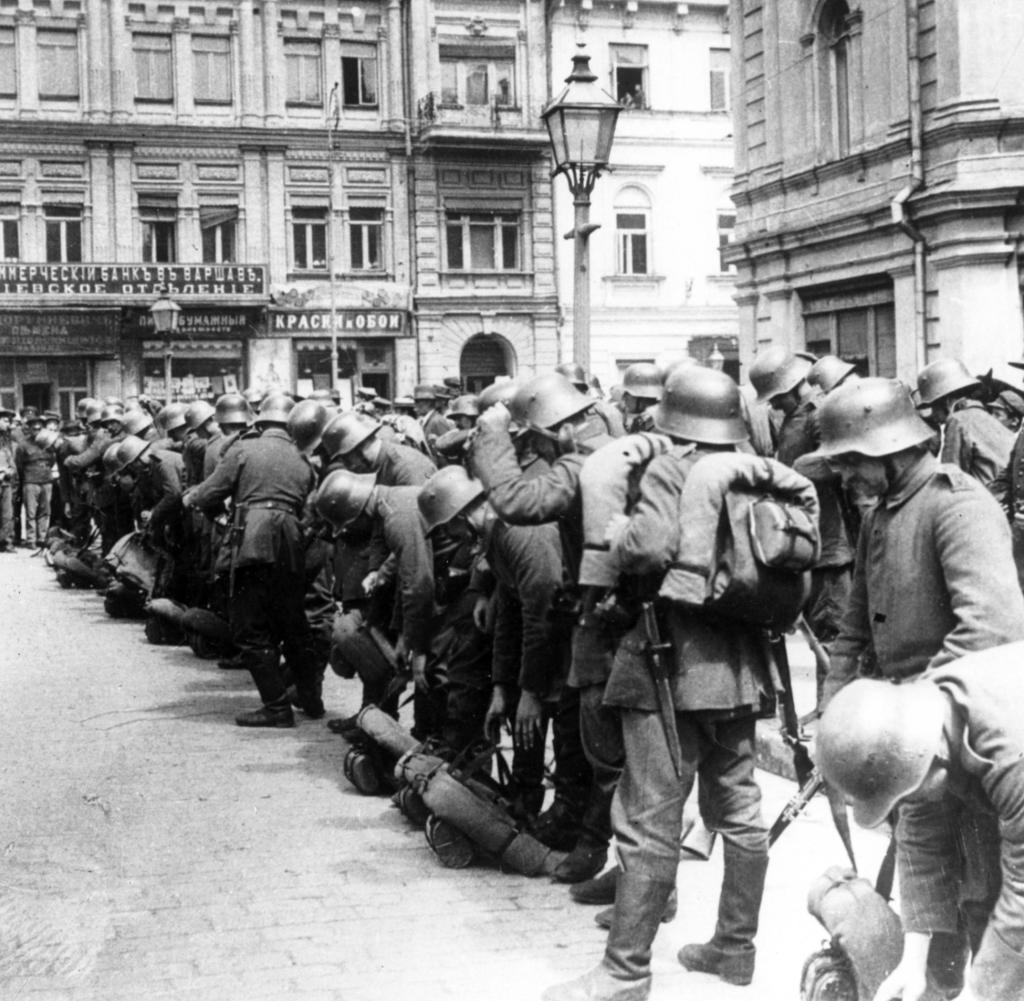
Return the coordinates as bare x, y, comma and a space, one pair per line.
748, 538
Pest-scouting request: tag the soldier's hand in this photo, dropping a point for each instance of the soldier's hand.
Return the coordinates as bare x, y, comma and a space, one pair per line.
419, 671
496, 418
480, 615
529, 720
371, 582
495, 714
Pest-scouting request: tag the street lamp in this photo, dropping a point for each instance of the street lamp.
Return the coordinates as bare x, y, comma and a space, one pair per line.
165, 313
716, 359
581, 127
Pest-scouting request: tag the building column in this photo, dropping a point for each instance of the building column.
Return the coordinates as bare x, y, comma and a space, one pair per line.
247, 49
122, 72
254, 201
184, 84
28, 64
277, 225
98, 81
394, 65
273, 62
125, 209
98, 231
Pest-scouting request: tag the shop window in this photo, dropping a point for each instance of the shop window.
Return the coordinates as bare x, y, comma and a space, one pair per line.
358, 75
726, 229
309, 239
154, 79
8, 64
474, 79
218, 225
305, 79
863, 335
159, 218
366, 238
482, 241
58, 64
720, 65
211, 69
629, 75
63, 233
9, 250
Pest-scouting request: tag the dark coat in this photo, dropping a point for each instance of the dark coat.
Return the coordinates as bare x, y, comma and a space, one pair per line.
402, 466
35, 464
976, 442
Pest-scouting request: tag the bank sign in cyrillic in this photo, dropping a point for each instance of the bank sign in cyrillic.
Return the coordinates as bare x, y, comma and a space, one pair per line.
368, 322
132, 279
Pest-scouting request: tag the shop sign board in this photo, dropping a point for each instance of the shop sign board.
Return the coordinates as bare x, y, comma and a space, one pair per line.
200, 324
59, 332
150, 280
350, 322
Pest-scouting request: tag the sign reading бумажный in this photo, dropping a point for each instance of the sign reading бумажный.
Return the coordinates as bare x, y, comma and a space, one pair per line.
132, 279
346, 321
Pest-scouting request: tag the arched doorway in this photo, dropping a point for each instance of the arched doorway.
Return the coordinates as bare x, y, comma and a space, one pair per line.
485, 357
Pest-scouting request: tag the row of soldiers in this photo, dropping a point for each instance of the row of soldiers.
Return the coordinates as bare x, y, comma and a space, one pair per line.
505, 558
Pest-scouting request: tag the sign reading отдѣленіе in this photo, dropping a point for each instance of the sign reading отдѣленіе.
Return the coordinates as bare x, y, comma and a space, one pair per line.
132, 279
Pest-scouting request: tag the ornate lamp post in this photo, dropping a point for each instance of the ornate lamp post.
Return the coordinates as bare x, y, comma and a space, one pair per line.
165, 321
716, 359
581, 127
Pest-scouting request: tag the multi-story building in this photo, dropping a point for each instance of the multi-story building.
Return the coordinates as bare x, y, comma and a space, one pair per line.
659, 286
277, 168
880, 161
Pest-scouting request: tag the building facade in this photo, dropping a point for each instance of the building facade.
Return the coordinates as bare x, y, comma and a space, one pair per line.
879, 166
659, 286
291, 174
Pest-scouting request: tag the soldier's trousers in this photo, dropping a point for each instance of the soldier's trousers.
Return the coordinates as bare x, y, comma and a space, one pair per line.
266, 615
37, 511
6, 515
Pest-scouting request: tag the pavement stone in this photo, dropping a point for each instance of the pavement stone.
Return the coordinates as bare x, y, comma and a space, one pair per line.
151, 849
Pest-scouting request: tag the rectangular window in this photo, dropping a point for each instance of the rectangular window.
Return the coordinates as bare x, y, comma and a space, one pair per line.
720, 63
365, 238
358, 75
482, 241
474, 80
154, 80
211, 69
629, 75
9, 232
218, 225
58, 64
159, 218
63, 233
863, 335
8, 64
302, 61
726, 228
309, 239
632, 232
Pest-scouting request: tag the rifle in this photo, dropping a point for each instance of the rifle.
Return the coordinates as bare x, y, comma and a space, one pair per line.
235, 534
656, 650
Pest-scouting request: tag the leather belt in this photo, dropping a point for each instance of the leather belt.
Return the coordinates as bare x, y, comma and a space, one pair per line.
273, 506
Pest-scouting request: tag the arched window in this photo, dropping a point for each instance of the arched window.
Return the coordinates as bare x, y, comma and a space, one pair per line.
485, 357
834, 32
632, 232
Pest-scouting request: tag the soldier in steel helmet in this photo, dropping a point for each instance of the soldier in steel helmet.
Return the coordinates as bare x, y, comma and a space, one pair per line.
268, 481
642, 389
721, 684
944, 752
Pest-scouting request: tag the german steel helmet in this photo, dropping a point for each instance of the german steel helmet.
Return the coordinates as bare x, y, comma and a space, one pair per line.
111, 459
497, 392
137, 422
776, 370
547, 401
253, 396
643, 380
347, 432
876, 742
94, 412
343, 495
233, 408
942, 377
198, 413
306, 424
872, 417
574, 372
447, 493
171, 417
129, 450
701, 405
465, 406
828, 372
275, 409
112, 412
83, 405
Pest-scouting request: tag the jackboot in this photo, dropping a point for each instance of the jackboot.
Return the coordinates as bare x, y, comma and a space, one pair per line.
558, 827
274, 714
264, 666
730, 953
599, 890
624, 974
586, 860
603, 919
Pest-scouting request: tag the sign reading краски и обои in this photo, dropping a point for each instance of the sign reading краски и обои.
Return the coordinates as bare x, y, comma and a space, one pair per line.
351, 322
132, 279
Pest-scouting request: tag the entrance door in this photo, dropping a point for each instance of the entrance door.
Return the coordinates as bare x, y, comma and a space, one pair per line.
36, 394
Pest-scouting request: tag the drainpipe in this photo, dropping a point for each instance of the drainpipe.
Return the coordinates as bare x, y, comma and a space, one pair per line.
410, 177
899, 207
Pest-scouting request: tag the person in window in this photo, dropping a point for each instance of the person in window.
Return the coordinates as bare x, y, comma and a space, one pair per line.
638, 97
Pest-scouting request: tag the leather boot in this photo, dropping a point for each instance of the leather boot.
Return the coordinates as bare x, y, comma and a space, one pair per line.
586, 860
274, 714
265, 668
624, 974
600, 890
603, 919
730, 953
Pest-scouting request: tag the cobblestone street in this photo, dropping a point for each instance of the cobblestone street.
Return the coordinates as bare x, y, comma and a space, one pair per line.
152, 849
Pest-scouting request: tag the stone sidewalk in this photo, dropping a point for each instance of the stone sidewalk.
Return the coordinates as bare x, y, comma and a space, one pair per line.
151, 849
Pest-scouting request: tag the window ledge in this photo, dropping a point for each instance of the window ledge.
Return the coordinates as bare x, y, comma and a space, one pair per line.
210, 102
360, 107
167, 101
308, 273
633, 279
722, 278
485, 273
